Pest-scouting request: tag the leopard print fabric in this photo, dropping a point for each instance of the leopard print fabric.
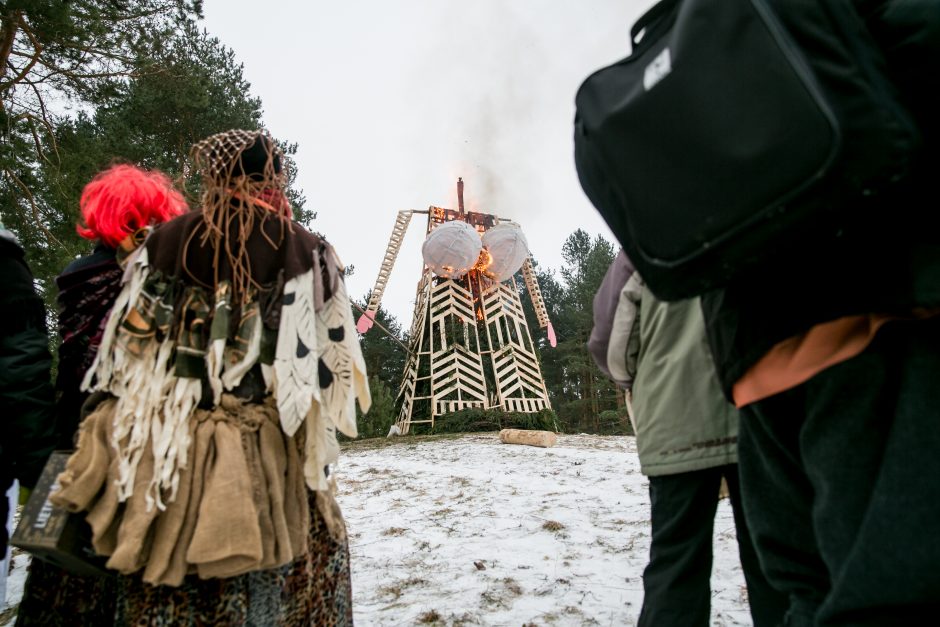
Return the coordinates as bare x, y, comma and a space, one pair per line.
313, 590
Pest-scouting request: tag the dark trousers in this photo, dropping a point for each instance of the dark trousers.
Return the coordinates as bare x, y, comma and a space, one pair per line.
676, 582
841, 485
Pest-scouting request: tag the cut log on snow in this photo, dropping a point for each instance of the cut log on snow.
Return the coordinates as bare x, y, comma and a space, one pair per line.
544, 439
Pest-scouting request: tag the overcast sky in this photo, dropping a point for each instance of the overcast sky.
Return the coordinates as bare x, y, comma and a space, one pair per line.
392, 100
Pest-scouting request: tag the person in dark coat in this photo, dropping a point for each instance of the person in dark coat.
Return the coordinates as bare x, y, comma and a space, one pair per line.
118, 206
26, 396
833, 352
834, 361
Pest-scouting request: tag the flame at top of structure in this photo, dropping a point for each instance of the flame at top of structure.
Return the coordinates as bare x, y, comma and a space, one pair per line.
502, 250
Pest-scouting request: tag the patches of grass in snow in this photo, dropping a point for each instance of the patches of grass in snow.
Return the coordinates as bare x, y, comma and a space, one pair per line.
395, 590
464, 619
512, 586
351, 484
401, 441
494, 599
583, 619
501, 596
429, 618
614, 549
552, 525
563, 618
394, 531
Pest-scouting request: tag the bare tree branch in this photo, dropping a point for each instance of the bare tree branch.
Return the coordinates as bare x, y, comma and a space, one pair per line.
72, 74
10, 25
37, 52
32, 119
101, 51
49, 129
36, 212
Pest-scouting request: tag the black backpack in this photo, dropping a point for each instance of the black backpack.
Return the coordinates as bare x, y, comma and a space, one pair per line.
739, 131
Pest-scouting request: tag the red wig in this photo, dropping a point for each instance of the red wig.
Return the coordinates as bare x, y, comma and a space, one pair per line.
125, 198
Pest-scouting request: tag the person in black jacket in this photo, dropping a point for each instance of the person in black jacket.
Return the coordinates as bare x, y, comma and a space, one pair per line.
26, 396
831, 347
118, 206
834, 362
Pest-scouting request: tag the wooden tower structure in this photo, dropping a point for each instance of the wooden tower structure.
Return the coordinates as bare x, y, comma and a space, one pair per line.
470, 346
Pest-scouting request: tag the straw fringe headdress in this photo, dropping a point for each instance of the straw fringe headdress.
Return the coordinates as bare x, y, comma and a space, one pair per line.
243, 179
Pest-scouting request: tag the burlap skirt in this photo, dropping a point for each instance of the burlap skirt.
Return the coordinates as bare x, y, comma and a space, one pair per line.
238, 506
244, 542
313, 590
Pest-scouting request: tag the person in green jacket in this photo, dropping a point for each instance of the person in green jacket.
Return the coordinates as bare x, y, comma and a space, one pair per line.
686, 437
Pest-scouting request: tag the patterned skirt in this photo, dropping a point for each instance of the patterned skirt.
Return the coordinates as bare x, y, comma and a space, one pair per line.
312, 590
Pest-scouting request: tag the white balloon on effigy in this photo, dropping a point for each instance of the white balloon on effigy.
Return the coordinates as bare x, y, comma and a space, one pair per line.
451, 249
508, 248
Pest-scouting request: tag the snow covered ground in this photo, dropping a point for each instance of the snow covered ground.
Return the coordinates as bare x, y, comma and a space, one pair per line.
464, 530
468, 531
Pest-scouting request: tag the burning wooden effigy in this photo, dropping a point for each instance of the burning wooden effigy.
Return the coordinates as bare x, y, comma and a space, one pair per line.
470, 346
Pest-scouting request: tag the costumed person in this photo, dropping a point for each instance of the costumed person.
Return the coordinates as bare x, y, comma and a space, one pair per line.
230, 359
686, 438
26, 396
118, 208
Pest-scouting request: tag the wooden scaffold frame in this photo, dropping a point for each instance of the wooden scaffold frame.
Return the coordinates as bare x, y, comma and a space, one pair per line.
470, 346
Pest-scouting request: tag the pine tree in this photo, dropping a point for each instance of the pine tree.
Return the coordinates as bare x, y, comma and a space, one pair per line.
59, 56
586, 392
192, 87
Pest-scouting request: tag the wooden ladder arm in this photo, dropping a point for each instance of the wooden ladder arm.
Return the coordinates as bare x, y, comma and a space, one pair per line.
388, 262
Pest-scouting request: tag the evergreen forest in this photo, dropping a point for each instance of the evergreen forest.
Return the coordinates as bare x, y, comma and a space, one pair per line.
84, 84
